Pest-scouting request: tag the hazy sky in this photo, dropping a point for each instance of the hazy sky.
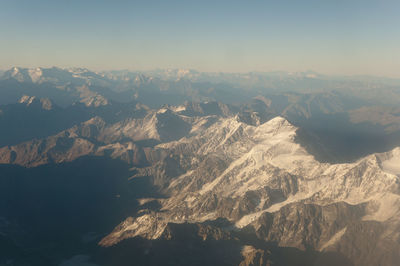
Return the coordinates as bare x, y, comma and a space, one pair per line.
333, 37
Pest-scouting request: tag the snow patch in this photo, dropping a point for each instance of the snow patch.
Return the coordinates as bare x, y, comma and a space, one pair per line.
334, 239
392, 165
388, 207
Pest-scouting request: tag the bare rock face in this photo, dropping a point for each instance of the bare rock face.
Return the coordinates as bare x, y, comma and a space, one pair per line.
58, 149
307, 225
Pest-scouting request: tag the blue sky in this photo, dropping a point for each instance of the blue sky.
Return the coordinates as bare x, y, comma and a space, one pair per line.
332, 37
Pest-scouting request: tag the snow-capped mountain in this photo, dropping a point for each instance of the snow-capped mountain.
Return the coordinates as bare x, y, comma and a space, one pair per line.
247, 174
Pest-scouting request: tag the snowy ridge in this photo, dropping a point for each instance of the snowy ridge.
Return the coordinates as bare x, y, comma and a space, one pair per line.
250, 170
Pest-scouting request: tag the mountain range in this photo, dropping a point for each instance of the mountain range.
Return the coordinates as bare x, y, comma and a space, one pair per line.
182, 167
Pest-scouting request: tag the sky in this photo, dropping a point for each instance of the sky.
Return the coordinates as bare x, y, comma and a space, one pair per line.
341, 37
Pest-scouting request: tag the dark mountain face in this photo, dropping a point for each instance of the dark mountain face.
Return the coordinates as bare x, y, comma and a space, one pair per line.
190, 168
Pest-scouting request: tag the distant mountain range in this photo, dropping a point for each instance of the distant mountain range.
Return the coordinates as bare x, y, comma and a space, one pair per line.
79, 84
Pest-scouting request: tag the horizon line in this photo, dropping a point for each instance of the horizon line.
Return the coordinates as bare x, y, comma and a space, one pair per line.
144, 70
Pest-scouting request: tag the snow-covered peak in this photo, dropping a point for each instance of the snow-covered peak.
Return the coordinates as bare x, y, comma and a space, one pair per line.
35, 74
278, 121
15, 70
162, 110
78, 70
391, 161
277, 124
239, 172
45, 103
28, 100
178, 109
